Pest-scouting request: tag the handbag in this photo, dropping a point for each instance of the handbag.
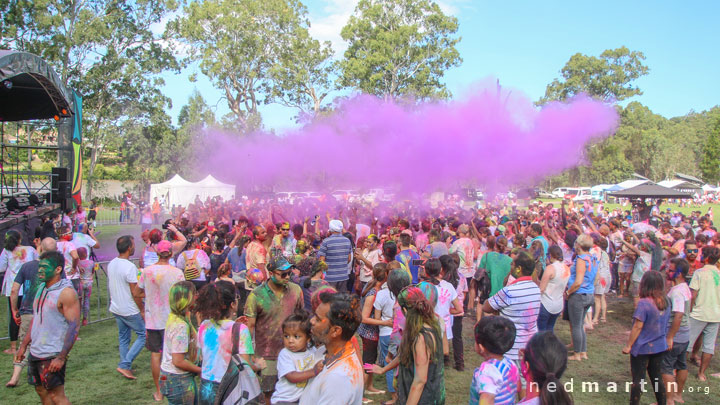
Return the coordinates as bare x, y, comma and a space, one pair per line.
239, 385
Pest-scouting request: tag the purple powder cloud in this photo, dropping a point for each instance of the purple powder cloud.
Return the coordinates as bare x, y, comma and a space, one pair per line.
493, 138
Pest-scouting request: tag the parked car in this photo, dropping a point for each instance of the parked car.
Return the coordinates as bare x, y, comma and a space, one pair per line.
560, 192
582, 194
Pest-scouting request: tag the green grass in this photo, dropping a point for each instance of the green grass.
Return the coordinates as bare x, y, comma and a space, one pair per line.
674, 207
92, 379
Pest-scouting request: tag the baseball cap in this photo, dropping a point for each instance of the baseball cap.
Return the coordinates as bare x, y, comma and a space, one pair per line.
279, 264
501, 228
625, 224
164, 247
285, 226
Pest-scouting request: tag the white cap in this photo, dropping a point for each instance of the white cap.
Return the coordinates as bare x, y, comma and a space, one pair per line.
336, 225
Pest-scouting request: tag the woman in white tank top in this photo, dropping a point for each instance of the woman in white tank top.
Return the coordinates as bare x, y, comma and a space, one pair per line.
552, 285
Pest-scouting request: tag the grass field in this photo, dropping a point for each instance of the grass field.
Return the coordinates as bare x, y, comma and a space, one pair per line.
674, 207
92, 379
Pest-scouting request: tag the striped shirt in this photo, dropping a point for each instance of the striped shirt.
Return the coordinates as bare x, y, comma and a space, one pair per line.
336, 249
520, 303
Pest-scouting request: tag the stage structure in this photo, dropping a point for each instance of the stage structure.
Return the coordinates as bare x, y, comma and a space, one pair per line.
38, 116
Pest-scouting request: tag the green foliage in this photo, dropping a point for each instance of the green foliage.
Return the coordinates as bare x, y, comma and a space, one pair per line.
710, 164
256, 52
105, 49
399, 48
608, 77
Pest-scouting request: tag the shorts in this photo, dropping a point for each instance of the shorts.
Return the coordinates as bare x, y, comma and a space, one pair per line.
154, 340
602, 284
25, 321
674, 359
178, 388
268, 377
38, 374
709, 332
635, 289
369, 351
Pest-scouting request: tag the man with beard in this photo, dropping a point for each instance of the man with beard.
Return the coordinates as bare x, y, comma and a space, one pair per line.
54, 329
691, 254
267, 307
341, 380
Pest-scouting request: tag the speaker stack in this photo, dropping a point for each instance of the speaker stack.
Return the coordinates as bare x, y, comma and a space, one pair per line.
61, 187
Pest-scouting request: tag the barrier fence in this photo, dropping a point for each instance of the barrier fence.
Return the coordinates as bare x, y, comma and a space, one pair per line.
99, 301
128, 216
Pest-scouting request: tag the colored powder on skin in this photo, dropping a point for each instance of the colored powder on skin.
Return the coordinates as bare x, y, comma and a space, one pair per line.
493, 137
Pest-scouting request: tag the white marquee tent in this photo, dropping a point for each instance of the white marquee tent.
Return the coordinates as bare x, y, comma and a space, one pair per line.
211, 187
180, 192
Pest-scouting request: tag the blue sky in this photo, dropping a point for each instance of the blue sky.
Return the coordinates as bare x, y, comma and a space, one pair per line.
525, 44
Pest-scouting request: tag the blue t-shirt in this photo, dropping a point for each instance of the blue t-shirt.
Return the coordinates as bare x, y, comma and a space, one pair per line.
336, 250
237, 262
406, 257
591, 267
652, 336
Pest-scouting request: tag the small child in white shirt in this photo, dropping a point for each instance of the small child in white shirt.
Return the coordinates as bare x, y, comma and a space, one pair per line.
296, 363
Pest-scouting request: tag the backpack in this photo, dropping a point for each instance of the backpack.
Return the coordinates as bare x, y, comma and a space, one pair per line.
239, 385
192, 267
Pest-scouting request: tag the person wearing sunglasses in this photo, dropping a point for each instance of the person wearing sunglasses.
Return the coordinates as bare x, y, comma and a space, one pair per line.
285, 242
266, 308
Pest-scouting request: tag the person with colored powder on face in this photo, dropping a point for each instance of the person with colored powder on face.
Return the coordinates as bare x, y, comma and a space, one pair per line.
266, 308
179, 354
156, 281
285, 241
27, 280
334, 323
55, 326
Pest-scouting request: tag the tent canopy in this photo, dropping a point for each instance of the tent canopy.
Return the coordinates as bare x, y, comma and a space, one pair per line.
180, 192
30, 89
631, 183
650, 191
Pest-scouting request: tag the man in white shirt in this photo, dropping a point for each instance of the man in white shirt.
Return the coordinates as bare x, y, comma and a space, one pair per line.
126, 303
85, 238
341, 380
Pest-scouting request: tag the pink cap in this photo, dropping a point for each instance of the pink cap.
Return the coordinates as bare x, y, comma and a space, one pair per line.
164, 246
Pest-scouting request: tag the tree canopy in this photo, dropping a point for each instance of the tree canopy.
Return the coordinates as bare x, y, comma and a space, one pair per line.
399, 48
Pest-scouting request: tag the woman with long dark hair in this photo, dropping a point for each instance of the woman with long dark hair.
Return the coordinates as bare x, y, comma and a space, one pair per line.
647, 343
421, 376
543, 364
217, 306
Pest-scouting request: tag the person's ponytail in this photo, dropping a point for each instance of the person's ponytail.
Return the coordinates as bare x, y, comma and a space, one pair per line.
552, 392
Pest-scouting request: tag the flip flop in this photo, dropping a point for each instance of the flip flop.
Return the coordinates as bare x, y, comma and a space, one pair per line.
374, 392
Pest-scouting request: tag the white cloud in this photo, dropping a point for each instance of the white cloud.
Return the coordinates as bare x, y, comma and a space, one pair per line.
326, 24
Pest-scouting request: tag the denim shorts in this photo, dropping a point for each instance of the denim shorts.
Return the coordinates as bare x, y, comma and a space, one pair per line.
179, 389
674, 359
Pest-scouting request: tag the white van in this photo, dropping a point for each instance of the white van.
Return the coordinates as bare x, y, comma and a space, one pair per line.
560, 192
582, 194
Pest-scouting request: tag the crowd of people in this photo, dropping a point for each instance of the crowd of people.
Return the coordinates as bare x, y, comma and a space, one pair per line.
306, 302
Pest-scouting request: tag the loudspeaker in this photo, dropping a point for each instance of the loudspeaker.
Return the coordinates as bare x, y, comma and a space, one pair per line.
59, 174
64, 190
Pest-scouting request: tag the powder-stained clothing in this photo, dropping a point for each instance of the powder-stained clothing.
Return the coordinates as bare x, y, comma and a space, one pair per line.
706, 282
255, 258
10, 263
270, 310
215, 343
176, 340
496, 377
49, 325
336, 250
433, 392
466, 250
66, 248
339, 383
156, 280
651, 339
519, 302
